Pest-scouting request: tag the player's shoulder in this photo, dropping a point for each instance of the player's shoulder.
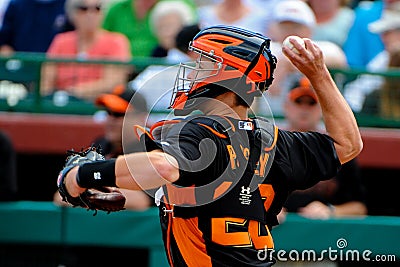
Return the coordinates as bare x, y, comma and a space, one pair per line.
173, 126
197, 126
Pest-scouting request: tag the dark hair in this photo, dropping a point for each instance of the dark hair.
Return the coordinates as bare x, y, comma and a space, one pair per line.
184, 36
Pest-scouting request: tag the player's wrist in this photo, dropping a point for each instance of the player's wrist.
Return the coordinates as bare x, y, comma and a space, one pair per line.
70, 183
97, 174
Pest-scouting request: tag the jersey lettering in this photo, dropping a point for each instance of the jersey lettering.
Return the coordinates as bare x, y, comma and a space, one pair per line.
246, 152
225, 232
267, 194
232, 156
261, 165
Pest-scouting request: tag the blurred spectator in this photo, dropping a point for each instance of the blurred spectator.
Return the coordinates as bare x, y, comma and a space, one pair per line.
268, 8
87, 42
354, 3
180, 53
3, 8
166, 19
301, 108
334, 19
385, 101
362, 45
239, 13
125, 108
30, 25
118, 105
8, 169
156, 81
132, 18
340, 196
388, 27
294, 17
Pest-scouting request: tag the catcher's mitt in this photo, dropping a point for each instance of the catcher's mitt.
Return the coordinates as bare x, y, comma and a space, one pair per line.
105, 198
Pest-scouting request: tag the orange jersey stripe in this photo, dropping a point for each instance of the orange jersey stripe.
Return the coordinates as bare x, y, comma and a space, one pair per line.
189, 239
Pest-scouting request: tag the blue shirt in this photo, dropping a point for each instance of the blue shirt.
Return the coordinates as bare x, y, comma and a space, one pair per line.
30, 25
361, 44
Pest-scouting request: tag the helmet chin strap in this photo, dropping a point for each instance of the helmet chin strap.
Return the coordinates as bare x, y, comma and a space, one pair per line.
254, 62
242, 80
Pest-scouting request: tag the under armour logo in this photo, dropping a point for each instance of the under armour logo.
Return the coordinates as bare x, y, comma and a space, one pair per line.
246, 190
97, 176
245, 196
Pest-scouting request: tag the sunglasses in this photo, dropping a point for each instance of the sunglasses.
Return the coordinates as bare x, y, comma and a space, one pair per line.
84, 8
308, 102
115, 114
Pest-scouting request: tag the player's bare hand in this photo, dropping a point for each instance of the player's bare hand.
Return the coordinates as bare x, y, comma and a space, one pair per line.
309, 59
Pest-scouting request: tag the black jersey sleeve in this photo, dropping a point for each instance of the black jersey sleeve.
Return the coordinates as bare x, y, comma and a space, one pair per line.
199, 153
306, 158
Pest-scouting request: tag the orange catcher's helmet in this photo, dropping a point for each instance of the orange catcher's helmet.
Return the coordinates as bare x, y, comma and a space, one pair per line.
230, 59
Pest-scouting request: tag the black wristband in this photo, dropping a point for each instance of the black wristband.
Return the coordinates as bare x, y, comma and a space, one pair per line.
97, 174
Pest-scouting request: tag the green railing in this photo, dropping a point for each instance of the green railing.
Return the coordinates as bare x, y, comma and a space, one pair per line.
29, 222
25, 68
20, 77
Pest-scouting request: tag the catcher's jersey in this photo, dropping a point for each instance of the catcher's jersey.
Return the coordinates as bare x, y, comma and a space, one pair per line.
232, 227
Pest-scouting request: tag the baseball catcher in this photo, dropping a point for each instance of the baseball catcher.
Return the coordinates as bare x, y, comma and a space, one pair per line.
223, 175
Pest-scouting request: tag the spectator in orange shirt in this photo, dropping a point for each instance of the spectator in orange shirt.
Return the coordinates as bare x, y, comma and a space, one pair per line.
87, 42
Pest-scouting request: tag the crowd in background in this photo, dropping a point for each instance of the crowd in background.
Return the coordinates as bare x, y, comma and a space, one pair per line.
352, 34
122, 30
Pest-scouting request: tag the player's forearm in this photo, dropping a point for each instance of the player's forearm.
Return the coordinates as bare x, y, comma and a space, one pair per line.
339, 119
136, 171
352, 208
145, 170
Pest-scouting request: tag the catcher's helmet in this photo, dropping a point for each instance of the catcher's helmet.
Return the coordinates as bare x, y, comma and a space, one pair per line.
230, 58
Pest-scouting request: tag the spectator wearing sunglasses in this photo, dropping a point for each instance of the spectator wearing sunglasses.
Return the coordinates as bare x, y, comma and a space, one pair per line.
301, 108
340, 196
87, 42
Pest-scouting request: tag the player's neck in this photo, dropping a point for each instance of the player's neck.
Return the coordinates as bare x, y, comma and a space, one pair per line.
225, 105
